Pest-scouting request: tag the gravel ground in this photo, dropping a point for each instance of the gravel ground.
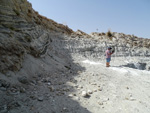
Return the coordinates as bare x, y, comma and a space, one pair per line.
92, 89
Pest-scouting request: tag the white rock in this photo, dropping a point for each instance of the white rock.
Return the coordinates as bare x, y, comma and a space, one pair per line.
95, 90
100, 89
80, 86
49, 83
70, 95
132, 99
77, 98
65, 109
130, 95
100, 103
105, 99
84, 93
93, 84
89, 92
51, 88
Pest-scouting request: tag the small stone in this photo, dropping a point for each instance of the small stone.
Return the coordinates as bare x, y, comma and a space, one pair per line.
52, 88
78, 88
126, 98
23, 80
4, 84
89, 92
70, 95
39, 82
3, 89
40, 98
95, 90
63, 93
65, 109
100, 89
34, 82
22, 90
93, 84
44, 80
48, 83
60, 83
100, 103
77, 98
84, 93
74, 94
140, 101
59, 93
14, 91
32, 97
79, 72
132, 99
130, 95
105, 99
14, 104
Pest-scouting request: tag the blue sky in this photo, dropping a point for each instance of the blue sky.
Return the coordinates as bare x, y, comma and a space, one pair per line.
124, 16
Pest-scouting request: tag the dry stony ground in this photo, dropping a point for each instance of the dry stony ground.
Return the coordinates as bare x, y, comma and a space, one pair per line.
94, 89
115, 89
56, 83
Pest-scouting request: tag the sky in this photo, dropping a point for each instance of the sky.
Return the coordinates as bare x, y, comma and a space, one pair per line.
122, 16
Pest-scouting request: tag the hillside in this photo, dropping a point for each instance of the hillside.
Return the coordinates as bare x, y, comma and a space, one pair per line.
42, 69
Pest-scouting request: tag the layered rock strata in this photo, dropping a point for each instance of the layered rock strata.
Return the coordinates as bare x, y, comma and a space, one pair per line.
23, 31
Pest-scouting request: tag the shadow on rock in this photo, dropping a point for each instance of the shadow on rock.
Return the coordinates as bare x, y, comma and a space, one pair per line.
41, 84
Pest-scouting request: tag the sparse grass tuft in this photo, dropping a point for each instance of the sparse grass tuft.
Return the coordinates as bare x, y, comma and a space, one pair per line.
109, 33
103, 33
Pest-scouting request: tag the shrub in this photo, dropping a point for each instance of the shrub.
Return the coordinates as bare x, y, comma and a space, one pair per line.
103, 33
109, 33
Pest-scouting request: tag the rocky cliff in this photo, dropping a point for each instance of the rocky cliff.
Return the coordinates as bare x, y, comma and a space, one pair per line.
23, 31
125, 45
35, 49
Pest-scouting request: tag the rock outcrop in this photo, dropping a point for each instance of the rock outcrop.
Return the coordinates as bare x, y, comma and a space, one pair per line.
24, 31
36, 58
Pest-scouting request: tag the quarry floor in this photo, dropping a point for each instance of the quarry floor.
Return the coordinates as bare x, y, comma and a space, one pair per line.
116, 89
94, 89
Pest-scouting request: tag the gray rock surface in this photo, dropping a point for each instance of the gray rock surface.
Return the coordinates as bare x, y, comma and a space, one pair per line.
40, 60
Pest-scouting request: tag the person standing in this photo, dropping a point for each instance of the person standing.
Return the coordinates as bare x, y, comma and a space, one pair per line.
108, 54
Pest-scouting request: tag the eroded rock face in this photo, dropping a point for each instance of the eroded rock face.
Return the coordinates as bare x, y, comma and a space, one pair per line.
36, 61
95, 46
23, 31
